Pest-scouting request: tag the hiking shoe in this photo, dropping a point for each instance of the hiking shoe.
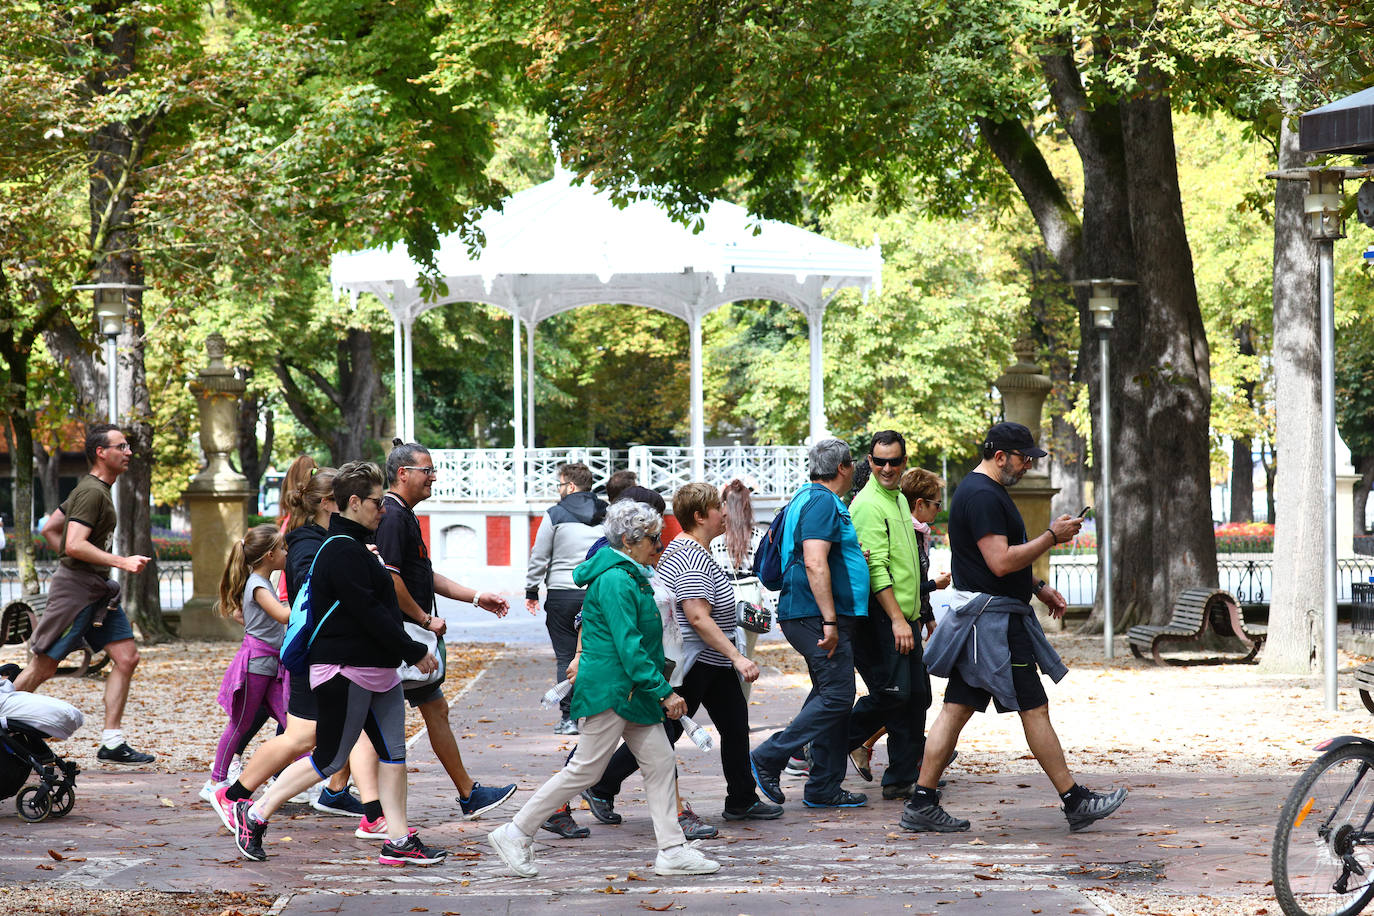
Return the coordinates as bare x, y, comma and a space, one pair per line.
566, 727
123, 755
693, 827
841, 799
372, 830
759, 811
482, 799
898, 790
766, 781
862, 756
561, 822
684, 860
1093, 808
344, 804
515, 849
223, 807
931, 819
603, 809
800, 766
410, 851
207, 791
248, 833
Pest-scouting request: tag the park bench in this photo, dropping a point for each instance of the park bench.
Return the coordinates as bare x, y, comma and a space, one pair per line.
1364, 682
1194, 611
20, 618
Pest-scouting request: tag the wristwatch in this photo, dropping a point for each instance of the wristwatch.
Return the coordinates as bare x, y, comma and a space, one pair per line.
1040, 584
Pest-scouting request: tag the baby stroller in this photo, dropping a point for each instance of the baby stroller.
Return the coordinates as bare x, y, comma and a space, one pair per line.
26, 720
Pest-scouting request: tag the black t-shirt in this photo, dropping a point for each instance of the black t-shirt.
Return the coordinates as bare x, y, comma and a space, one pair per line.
404, 553
981, 506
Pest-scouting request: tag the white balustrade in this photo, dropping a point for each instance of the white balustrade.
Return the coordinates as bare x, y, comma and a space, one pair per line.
488, 475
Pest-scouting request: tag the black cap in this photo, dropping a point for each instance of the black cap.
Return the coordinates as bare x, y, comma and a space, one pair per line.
1012, 437
651, 498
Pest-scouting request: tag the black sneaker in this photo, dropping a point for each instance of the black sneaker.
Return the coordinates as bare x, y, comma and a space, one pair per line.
766, 781
248, 833
1093, 808
123, 754
841, 799
411, 851
759, 811
561, 822
931, 819
603, 809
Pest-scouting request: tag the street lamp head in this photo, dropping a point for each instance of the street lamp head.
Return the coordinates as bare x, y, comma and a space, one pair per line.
1103, 306
111, 304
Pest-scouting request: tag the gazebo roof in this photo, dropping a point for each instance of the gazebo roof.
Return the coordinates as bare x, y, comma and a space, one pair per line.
558, 246
1343, 126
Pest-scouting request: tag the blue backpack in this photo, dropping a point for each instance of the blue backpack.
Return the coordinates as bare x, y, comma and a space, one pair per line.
772, 558
302, 626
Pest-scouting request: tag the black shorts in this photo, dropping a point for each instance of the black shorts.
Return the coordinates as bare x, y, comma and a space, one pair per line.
419, 696
1025, 676
302, 703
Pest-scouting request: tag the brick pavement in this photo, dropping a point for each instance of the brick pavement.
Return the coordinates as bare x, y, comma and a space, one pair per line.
1179, 833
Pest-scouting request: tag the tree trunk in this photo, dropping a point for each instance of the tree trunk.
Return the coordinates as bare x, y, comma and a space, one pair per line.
49, 472
353, 397
1242, 480
1295, 616
19, 432
254, 461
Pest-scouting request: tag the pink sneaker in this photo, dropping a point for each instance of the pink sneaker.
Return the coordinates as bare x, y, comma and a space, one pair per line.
372, 830
223, 807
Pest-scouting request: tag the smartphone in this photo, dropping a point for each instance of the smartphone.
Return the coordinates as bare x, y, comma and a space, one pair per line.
1084, 513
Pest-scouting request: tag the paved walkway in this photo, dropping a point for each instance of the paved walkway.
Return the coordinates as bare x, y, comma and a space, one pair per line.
1176, 833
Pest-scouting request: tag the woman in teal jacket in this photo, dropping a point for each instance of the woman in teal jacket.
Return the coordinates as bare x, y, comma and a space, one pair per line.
621, 692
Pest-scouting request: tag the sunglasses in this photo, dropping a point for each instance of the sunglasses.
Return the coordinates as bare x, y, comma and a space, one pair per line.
886, 462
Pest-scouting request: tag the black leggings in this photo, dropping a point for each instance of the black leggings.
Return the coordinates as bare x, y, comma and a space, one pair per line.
346, 711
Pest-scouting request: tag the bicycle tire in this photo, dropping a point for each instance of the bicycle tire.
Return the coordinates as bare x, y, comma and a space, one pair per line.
1325, 824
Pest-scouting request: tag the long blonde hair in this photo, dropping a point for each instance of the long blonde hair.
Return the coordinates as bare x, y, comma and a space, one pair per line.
739, 522
243, 556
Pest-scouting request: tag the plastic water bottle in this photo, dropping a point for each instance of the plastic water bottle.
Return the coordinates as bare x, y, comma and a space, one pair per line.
699, 735
555, 694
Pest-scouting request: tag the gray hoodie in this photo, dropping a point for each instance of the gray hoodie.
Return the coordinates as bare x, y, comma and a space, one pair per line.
568, 531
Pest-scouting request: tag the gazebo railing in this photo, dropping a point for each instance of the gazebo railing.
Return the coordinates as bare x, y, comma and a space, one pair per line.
488, 475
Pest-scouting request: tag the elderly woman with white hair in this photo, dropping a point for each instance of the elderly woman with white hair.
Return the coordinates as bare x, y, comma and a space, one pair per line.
621, 692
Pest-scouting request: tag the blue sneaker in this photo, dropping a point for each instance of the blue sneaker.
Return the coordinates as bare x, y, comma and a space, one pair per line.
767, 782
483, 798
344, 803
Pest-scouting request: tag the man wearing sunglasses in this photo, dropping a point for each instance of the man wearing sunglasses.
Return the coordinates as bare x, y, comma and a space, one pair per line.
991, 645
887, 646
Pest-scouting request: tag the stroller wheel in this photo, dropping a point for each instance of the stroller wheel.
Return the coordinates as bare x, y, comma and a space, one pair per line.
34, 803
62, 801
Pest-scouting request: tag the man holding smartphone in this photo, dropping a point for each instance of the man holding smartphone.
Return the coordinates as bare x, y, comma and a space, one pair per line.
991, 646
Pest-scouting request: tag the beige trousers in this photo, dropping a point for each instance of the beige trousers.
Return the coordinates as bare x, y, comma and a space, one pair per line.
600, 735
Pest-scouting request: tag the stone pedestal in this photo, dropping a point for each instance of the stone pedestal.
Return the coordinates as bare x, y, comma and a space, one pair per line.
216, 499
1024, 389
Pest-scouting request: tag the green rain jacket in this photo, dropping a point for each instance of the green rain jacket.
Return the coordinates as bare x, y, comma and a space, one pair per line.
882, 519
622, 662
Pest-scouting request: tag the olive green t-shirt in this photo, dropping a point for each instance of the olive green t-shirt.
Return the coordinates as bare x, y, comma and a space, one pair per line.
92, 505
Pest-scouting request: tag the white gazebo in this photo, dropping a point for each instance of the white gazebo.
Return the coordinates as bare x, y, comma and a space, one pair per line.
558, 246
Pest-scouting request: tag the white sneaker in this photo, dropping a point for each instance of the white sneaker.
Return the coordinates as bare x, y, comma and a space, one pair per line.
207, 791
235, 769
684, 860
515, 849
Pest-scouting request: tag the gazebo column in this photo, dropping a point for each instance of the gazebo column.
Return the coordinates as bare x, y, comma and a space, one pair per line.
697, 408
529, 383
408, 330
398, 372
518, 462
814, 318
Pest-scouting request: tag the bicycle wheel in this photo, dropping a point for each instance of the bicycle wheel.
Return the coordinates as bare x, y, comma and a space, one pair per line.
1323, 857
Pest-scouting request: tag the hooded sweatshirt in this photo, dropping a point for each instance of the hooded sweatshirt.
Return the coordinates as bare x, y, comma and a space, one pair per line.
622, 642
569, 529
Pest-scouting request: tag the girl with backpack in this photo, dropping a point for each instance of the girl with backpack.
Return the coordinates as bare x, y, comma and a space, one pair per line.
254, 687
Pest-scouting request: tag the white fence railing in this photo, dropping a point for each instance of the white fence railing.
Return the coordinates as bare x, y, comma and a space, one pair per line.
488, 475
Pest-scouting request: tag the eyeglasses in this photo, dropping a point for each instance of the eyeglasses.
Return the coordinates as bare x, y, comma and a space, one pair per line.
931, 502
657, 540
886, 462
1026, 459
121, 447
376, 500
428, 472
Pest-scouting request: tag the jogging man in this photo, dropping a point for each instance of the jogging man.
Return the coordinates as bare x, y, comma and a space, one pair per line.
83, 602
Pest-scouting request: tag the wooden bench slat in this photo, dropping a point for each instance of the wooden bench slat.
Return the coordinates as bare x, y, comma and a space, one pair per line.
1194, 610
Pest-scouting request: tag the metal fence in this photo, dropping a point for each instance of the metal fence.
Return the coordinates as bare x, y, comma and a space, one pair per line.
1250, 579
173, 578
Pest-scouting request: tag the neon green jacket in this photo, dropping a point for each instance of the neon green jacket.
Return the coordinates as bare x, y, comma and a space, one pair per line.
882, 519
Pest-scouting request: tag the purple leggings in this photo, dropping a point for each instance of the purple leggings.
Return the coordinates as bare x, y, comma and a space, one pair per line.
250, 714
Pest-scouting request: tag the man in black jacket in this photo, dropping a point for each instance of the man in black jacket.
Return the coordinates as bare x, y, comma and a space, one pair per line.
358, 644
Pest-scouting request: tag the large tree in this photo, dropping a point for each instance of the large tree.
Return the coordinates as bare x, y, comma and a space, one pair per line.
797, 103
